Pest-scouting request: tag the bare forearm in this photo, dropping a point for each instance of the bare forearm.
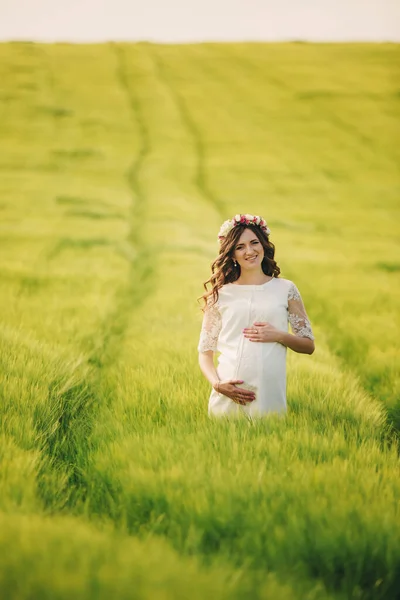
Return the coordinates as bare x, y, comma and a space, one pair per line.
296, 343
207, 367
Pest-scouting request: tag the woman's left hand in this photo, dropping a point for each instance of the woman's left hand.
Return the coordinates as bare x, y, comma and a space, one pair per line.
262, 332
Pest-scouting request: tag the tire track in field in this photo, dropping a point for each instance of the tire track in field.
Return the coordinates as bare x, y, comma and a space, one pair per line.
344, 352
141, 258
66, 423
189, 123
145, 145
348, 348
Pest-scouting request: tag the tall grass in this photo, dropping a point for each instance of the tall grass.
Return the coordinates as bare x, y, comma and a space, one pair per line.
118, 164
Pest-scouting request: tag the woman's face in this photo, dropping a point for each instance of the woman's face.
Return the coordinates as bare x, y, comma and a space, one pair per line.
249, 251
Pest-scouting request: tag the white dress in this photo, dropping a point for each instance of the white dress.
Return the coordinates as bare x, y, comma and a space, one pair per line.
261, 365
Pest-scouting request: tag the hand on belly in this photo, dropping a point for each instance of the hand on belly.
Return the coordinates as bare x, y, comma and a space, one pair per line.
262, 332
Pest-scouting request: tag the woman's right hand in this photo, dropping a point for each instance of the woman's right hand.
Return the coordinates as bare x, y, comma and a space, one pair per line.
238, 395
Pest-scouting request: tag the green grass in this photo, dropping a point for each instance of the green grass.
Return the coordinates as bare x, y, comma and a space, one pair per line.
117, 165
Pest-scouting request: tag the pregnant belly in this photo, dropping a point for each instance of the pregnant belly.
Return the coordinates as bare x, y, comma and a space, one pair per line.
245, 365
249, 364
260, 366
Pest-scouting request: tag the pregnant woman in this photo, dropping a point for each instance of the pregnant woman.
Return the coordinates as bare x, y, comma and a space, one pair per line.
246, 316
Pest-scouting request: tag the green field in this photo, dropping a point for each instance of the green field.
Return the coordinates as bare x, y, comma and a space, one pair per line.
118, 163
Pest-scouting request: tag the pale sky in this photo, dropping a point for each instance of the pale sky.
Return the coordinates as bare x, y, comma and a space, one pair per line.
199, 20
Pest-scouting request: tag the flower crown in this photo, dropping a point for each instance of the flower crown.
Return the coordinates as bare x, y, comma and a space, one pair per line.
242, 220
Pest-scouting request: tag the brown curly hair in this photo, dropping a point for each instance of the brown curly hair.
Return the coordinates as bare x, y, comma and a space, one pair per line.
223, 269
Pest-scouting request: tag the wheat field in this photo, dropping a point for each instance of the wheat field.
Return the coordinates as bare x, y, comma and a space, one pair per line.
118, 164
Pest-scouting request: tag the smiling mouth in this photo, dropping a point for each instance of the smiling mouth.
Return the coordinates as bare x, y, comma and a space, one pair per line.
252, 258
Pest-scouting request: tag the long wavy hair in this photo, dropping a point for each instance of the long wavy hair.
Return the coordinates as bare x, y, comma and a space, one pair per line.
223, 269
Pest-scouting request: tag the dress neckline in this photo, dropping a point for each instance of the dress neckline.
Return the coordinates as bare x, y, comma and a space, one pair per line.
254, 285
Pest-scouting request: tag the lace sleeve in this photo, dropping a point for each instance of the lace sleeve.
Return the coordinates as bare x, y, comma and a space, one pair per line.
297, 315
210, 329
